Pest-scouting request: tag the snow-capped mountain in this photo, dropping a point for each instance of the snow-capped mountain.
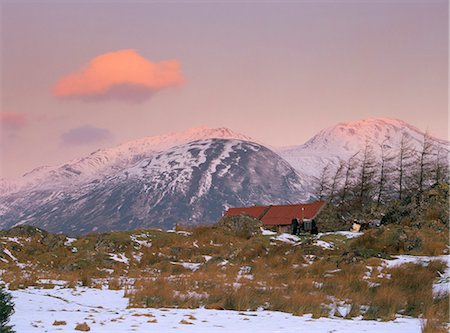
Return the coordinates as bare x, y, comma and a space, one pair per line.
189, 177
343, 140
190, 183
107, 161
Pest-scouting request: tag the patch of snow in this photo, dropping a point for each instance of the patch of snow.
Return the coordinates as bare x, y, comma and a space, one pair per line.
120, 257
106, 311
137, 256
348, 234
188, 265
442, 285
141, 242
12, 239
287, 238
10, 254
317, 285
323, 244
51, 281
223, 263
266, 232
184, 233
407, 259
244, 273
344, 309
69, 241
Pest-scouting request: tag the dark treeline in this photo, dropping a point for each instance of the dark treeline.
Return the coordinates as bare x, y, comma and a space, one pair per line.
377, 176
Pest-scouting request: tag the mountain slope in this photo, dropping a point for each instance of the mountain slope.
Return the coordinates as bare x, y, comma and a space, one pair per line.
343, 140
189, 177
190, 183
110, 160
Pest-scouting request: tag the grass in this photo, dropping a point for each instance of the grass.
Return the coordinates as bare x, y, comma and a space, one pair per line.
278, 276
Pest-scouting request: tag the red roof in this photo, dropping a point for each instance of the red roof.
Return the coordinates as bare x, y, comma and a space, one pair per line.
255, 211
283, 214
279, 214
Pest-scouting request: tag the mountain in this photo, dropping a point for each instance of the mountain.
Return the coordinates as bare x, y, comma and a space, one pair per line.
190, 177
341, 141
191, 183
108, 161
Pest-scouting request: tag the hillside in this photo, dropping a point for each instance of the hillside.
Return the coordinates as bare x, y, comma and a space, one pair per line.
192, 177
339, 275
341, 141
105, 162
192, 183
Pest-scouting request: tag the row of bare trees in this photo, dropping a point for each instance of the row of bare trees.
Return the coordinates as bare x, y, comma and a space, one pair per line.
391, 173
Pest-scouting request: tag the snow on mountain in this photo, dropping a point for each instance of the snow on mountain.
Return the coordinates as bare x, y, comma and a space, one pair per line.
106, 161
189, 177
343, 140
190, 183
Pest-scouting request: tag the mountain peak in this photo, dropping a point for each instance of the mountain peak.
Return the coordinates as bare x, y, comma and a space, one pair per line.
347, 138
165, 141
353, 135
104, 160
376, 122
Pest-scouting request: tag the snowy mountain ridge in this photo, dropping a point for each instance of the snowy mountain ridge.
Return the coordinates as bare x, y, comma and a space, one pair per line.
189, 177
110, 160
341, 141
190, 183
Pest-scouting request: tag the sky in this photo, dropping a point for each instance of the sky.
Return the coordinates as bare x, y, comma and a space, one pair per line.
81, 75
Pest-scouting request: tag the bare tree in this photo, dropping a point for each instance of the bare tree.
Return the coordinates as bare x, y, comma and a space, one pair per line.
324, 182
405, 154
365, 183
424, 163
351, 166
337, 178
385, 167
441, 164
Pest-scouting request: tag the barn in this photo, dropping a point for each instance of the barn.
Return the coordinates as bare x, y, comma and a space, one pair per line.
283, 218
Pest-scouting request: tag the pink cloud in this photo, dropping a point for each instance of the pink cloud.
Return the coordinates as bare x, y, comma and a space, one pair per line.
122, 75
12, 120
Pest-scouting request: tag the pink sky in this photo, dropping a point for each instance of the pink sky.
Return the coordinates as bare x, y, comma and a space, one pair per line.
80, 76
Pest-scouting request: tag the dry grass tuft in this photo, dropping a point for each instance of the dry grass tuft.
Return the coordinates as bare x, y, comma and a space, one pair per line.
83, 327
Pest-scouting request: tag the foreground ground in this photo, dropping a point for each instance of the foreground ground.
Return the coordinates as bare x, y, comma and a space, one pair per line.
106, 311
390, 279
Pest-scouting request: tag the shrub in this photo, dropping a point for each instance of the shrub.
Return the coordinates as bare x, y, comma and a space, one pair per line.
114, 284
6, 310
243, 225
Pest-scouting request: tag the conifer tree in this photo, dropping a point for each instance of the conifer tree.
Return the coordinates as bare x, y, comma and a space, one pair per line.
6, 310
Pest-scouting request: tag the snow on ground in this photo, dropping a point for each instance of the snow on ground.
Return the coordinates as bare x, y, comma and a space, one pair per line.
106, 311
10, 254
193, 266
348, 234
323, 244
121, 257
266, 232
442, 285
69, 241
407, 259
287, 238
141, 242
